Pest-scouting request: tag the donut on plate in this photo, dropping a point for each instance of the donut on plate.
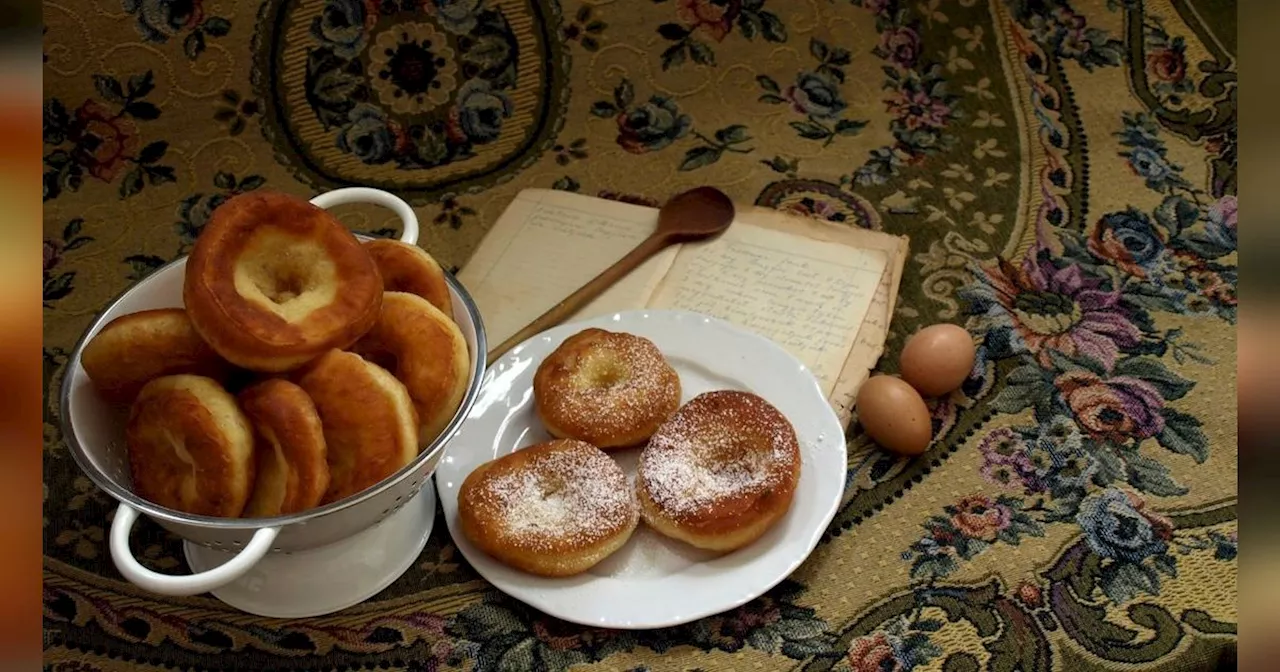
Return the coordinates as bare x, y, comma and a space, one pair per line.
133, 349
610, 389
370, 427
274, 282
720, 472
553, 509
190, 448
291, 457
427, 352
409, 268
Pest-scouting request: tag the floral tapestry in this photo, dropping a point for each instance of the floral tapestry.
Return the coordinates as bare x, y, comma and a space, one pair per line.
1066, 173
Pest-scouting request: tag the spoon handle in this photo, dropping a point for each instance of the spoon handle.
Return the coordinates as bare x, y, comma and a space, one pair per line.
585, 294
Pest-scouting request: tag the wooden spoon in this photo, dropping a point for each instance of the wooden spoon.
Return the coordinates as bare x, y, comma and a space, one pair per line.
693, 215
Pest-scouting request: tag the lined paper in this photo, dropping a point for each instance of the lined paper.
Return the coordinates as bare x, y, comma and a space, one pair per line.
825, 292
551, 248
808, 296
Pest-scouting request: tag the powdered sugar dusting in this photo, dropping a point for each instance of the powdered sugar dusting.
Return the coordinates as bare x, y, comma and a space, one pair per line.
571, 496
721, 445
611, 382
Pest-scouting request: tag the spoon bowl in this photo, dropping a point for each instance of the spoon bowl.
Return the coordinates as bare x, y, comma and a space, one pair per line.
695, 214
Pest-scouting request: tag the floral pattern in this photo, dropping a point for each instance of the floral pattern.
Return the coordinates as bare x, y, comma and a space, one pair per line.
235, 111
816, 96
1064, 32
162, 20
1092, 256
510, 632
919, 99
424, 91
1166, 63
899, 647
1078, 332
102, 139
59, 283
715, 20
585, 29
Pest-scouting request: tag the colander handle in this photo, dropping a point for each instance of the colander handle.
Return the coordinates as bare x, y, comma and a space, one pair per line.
408, 220
191, 584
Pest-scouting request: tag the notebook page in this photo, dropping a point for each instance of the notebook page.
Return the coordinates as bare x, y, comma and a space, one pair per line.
546, 245
869, 344
806, 295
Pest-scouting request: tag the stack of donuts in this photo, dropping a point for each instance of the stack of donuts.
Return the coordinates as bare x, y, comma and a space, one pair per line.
304, 367
715, 473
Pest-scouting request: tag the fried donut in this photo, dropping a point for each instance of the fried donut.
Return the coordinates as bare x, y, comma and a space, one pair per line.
409, 268
610, 389
427, 352
190, 448
553, 509
370, 427
290, 452
720, 472
134, 349
274, 282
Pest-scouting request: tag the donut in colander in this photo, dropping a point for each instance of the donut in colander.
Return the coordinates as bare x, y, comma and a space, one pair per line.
190, 447
274, 282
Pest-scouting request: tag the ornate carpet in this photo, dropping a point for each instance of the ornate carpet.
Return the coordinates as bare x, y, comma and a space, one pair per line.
1066, 170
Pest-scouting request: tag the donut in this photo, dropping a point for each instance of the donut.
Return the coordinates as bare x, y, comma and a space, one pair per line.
720, 472
409, 268
190, 447
274, 282
290, 452
553, 509
134, 349
427, 352
370, 427
610, 389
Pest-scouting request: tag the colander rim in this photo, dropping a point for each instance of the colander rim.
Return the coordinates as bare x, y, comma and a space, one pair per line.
125, 496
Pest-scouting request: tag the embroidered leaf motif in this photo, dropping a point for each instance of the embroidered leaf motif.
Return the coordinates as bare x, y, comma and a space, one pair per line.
1182, 434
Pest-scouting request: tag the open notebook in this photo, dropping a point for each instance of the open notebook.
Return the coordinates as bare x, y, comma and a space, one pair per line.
823, 291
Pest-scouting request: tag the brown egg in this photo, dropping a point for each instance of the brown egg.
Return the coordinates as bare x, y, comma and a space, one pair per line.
937, 359
894, 416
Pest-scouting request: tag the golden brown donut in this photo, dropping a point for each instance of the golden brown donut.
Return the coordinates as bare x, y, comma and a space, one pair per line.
291, 457
274, 282
720, 472
610, 389
409, 268
133, 349
370, 428
190, 448
552, 509
426, 351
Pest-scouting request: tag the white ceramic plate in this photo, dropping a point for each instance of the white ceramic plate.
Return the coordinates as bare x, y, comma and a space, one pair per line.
653, 581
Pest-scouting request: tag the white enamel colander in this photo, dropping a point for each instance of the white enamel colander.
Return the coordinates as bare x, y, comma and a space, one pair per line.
94, 431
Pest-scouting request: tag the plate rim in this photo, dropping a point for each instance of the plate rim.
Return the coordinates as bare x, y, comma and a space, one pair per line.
811, 541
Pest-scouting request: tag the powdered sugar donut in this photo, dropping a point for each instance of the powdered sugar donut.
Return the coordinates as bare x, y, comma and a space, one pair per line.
720, 472
553, 509
610, 389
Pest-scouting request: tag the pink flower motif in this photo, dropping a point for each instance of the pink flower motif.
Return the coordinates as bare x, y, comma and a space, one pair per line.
917, 109
1115, 410
714, 18
1061, 309
873, 653
1029, 594
1224, 211
901, 46
979, 517
113, 138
